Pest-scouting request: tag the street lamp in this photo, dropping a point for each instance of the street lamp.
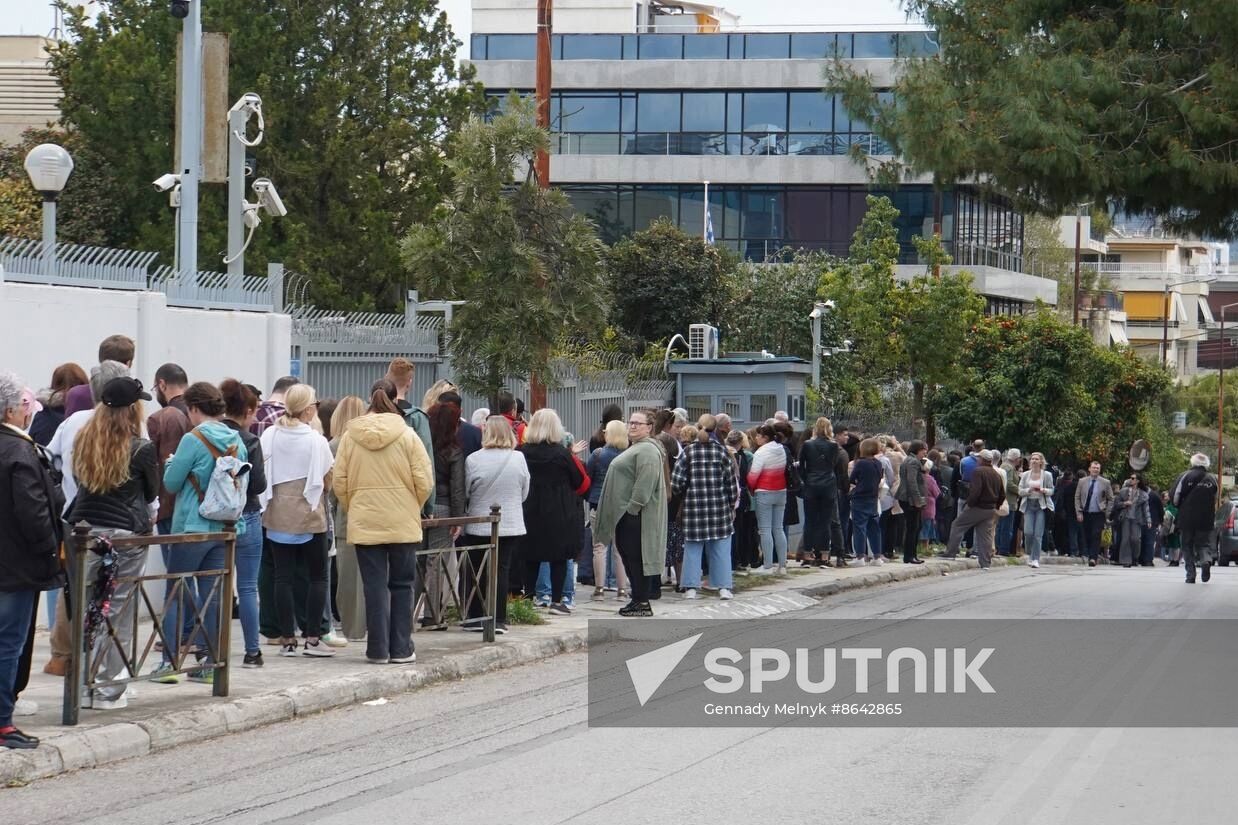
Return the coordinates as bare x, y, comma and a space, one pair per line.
49, 167
1165, 313
1221, 399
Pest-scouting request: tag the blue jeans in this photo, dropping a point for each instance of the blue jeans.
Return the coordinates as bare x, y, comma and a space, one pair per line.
248, 560
1005, 533
189, 558
866, 527
719, 551
771, 506
1033, 531
16, 610
569, 583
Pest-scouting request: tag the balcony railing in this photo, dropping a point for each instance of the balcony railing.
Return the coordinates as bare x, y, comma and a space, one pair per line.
718, 143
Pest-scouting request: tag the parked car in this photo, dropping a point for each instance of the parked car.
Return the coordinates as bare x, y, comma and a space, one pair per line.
1227, 533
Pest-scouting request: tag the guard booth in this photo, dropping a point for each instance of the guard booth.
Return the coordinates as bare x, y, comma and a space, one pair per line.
748, 386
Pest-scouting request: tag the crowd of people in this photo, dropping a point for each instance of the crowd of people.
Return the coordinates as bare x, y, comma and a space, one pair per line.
332, 494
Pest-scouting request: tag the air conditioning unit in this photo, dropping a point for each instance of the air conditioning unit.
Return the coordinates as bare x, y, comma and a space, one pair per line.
702, 342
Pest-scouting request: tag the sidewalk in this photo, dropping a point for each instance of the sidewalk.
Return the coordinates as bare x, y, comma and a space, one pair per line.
162, 716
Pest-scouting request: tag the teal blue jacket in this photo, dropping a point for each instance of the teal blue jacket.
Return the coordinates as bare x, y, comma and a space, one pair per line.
421, 425
192, 457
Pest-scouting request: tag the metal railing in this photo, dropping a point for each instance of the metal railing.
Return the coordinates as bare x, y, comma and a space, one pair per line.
119, 624
748, 143
476, 573
98, 267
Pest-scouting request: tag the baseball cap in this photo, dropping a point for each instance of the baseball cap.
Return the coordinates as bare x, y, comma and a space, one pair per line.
123, 392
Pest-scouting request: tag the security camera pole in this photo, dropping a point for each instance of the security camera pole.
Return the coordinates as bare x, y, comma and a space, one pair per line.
190, 136
238, 121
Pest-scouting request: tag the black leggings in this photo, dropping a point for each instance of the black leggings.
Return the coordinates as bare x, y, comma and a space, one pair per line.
628, 540
285, 557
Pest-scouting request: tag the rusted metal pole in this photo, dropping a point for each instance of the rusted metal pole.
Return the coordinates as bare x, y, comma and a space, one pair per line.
541, 163
545, 12
78, 546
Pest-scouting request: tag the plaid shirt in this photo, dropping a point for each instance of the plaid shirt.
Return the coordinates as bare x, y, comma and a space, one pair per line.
705, 475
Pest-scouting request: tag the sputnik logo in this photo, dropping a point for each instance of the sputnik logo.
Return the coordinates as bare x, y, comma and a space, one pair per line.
649, 670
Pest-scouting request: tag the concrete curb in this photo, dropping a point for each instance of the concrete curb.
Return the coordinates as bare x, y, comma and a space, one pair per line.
74, 749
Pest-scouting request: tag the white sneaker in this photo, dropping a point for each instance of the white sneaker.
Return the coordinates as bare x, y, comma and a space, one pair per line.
317, 649
725, 595
90, 702
334, 640
862, 561
762, 571
690, 593
782, 570
880, 560
1033, 564
25, 707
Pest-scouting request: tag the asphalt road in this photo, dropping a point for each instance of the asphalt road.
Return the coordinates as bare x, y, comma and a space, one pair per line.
513, 747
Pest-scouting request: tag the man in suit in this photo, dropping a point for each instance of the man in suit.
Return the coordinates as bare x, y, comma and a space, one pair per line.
1093, 496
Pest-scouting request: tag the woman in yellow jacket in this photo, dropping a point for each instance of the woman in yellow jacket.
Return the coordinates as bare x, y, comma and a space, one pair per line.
383, 477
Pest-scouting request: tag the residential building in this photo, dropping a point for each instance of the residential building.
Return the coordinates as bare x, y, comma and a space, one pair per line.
652, 99
1160, 283
29, 95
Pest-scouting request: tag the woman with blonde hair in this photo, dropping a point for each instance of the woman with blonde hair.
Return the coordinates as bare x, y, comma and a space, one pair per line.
495, 475
823, 465
117, 479
552, 513
1035, 502
383, 479
615, 441
436, 389
350, 595
298, 468
705, 476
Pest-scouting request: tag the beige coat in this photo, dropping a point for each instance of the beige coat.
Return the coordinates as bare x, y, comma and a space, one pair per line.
383, 477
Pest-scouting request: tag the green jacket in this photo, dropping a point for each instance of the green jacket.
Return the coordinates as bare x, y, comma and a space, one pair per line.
636, 485
421, 425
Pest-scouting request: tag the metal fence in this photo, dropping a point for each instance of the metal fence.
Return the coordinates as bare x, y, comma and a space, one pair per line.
106, 626
101, 267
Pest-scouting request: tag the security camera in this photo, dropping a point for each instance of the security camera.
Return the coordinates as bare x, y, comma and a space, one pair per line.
251, 216
251, 165
179, 9
165, 182
268, 198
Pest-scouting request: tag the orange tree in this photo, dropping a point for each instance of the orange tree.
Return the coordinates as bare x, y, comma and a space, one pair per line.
1037, 383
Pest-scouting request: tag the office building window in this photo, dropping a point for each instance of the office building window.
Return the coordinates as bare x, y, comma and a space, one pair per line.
705, 48
767, 47
866, 45
661, 46
813, 45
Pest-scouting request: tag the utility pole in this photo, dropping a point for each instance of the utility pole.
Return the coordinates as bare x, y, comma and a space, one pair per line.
541, 163
190, 131
1078, 244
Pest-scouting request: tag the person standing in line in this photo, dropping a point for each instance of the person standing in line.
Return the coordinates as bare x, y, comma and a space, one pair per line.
632, 511
867, 473
60, 450
273, 408
188, 476
615, 434
552, 513
1156, 510
612, 412
382, 479
1036, 503
1132, 510
240, 410
64, 378
495, 475
1065, 527
469, 434
438, 575
666, 428
117, 482
705, 475
1194, 494
912, 497
1093, 498
744, 544
350, 595
505, 405
298, 469
932, 492
985, 494
891, 457
166, 428
1008, 525
823, 465
118, 348
768, 481
31, 531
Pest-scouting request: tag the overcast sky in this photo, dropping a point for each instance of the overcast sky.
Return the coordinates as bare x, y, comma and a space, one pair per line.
35, 16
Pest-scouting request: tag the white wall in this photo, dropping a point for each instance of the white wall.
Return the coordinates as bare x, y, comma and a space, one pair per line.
44, 326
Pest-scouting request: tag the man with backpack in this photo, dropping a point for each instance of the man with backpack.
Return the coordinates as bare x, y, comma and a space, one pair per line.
1195, 496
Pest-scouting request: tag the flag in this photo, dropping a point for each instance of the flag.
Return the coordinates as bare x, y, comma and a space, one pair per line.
709, 226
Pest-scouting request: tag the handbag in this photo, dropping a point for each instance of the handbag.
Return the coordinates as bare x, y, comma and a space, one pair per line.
1004, 510
795, 484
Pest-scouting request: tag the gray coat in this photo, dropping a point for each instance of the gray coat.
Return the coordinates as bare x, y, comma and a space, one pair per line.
911, 482
1104, 492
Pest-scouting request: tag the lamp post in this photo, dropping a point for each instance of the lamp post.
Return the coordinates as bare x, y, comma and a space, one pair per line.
49, 167
1221, 400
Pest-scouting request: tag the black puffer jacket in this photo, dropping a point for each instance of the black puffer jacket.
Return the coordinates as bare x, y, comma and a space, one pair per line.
1195, 495
30, 525
124, 508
